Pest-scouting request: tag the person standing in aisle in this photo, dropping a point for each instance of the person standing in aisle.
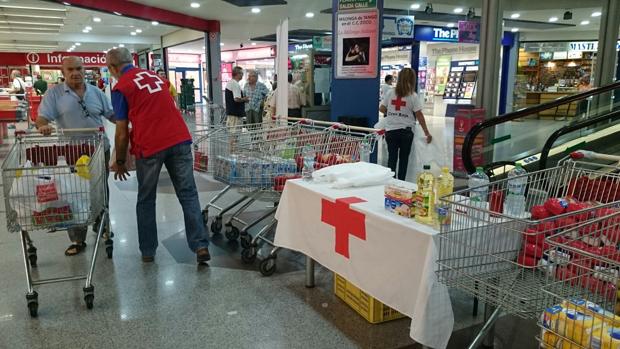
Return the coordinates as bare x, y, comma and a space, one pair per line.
235, 101
256, 92
389, 81
159, 137
171, 88
75, 104
296, 98
18, 87
402, 108
40, 86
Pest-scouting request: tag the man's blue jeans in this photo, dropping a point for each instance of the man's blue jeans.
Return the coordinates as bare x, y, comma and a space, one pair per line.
179, 163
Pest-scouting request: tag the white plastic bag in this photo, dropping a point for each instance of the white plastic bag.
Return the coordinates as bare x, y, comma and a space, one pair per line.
356, 174
75, 191
435, 154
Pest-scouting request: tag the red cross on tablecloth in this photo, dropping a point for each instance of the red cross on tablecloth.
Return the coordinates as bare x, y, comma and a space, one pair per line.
398, 102
345, 221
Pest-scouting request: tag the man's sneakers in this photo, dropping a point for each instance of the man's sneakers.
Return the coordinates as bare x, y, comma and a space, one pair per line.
203, 255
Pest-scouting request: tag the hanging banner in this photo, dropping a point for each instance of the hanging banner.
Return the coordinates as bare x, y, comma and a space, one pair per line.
357, 45
356, 4
469, 32
398, 27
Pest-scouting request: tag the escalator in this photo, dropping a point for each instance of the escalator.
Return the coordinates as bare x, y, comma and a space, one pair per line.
542, 135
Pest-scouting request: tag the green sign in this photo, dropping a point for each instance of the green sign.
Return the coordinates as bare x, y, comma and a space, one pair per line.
322, 43
356, 4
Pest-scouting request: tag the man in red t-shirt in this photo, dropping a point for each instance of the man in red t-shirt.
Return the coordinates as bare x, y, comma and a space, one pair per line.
159, 137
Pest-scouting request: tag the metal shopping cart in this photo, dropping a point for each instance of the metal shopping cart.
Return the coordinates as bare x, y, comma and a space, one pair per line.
55, 183
292, 157
504, 260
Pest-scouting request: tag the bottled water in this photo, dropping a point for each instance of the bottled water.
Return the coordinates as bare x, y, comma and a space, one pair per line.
365, 152
479, 186
515, 198
308, 155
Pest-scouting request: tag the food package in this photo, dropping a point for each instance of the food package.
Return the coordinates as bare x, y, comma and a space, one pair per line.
400, 193
400, 208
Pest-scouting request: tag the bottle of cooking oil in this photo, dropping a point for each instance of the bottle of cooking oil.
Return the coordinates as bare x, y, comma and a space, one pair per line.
445, 183
425, 197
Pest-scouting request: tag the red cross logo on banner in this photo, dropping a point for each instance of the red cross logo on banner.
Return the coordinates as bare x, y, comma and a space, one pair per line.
398, 102
345, 221
149, 81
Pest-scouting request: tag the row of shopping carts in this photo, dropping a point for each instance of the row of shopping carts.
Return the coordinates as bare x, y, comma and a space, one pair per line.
558, 263
256, 160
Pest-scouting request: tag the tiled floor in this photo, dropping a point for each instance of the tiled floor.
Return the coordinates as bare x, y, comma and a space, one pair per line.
174, 303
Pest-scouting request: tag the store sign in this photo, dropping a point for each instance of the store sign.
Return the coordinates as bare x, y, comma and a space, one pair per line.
469, 32
436, 34
183, 58
322, 43
357, 45
89, 59
398, 27
584, 46
356, 4
299, 47
253, 53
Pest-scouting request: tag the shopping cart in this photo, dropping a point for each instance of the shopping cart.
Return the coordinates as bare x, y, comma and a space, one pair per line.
55, 183
293, 157
504, 260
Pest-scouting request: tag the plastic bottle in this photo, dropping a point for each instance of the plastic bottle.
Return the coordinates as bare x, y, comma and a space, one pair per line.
308, 155
445, 183
515, 198
81, 167
479, 186
425, 196
365, 151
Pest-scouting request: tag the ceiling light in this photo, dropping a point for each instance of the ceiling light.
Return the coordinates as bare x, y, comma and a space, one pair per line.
553, 19
515, 15
118, 13
66, 4
585, 22
255, 10
88, 27
514, 30
194, 5
68, 50
415, 6
33, 23
35, 8
221, 44
77, 44
138, 31
96, 19
309, 14
114, 47
568, 15
429, 9
450, 25
133, 33
203, 47
121, 45
85, 31
458, 10
155, 23
253, 44
596, 14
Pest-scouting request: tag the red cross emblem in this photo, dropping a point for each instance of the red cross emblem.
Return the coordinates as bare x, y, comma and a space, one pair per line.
345, 221
398, 102
152, 82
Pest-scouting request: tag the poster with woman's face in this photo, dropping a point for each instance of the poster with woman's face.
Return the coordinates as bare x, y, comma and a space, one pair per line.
357, 45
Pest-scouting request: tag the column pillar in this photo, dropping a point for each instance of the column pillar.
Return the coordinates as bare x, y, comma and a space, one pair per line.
605, 68
214, 65
490, 46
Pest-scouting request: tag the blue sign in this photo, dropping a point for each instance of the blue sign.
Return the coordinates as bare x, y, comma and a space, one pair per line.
436, 34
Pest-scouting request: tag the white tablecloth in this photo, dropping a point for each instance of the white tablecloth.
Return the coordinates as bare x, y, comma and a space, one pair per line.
394, 262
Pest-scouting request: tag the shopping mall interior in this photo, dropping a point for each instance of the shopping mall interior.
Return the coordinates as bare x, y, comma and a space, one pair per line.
511, 126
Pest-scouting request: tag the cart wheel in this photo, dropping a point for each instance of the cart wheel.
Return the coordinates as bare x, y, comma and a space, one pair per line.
32, 258
33, 308
267, 266
216, 225
232, 232
110, 251
89, 298
205, 217
246, 240
248, 255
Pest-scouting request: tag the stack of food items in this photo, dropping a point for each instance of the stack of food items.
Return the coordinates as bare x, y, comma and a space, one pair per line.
577, 323
400, 199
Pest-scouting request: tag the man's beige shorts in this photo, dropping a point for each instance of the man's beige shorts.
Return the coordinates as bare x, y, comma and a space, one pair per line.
232, 121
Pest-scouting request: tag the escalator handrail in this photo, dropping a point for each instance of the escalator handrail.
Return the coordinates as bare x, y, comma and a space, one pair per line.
544, 154
479, 127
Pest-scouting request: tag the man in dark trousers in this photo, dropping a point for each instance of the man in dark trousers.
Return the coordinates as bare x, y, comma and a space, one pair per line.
159, 137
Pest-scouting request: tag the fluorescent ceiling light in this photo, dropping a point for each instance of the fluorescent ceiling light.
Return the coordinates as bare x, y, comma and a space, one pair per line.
54, 30
121, 45
118, 13
194, 5
23, 32
114, 47
458, 10
26, 45
255, 10
253, 44
553, 19
221, 44
309, 14
77, 44
415, 6
33, 23
85, 31
584, 22
596, 14
515, 15
514, 30
138, 31
96, 19
133, 33
88, 27
32, 15
33, 8
155, 23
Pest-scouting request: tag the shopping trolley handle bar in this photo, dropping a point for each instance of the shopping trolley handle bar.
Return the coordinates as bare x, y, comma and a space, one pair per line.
586, 154
335, 125
61, 131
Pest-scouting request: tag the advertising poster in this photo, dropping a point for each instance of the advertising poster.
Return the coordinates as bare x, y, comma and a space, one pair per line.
398, 27
357, 45
441, 73
469, 32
